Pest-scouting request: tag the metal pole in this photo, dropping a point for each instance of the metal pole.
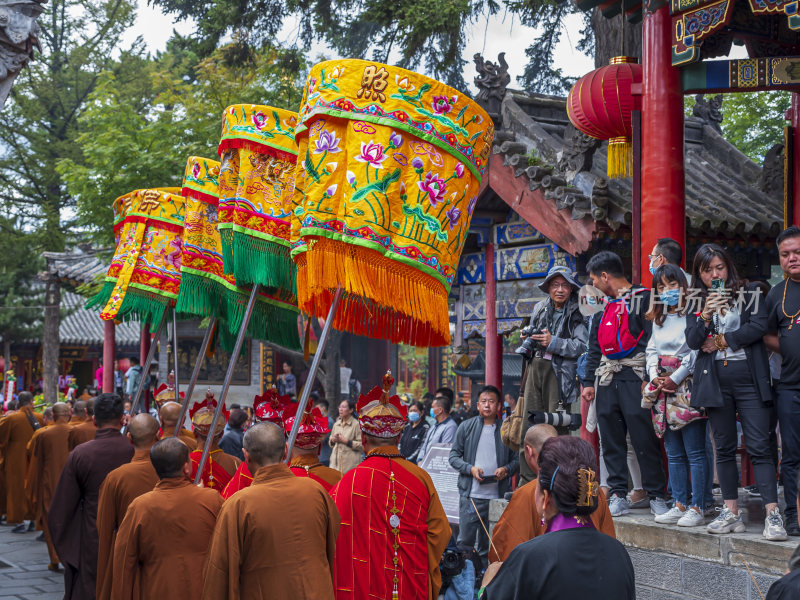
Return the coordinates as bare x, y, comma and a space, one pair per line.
227, 382
195, 374
146, 368
323, 340
175, 353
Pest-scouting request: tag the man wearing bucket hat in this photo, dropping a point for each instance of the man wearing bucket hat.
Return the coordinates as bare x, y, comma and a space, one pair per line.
559, 338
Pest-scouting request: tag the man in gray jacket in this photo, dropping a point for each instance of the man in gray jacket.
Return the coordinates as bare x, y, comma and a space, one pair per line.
552, 369
485, 466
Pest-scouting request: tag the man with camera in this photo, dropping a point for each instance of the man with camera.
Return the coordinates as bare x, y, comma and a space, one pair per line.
554, 340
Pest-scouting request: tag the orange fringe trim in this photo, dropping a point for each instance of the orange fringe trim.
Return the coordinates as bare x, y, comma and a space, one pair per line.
383, 298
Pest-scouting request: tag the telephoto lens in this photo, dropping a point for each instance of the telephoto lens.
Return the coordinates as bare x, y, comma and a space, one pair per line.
556, 419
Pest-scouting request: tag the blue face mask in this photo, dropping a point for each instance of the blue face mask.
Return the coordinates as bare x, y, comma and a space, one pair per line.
433, 414
413, 416
670, 297
653, 269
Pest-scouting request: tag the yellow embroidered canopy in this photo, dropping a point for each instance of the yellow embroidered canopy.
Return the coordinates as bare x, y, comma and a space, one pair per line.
144, 276
205, 288
258, 155
391, 163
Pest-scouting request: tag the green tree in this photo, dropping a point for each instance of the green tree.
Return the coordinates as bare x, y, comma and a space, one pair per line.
146, 116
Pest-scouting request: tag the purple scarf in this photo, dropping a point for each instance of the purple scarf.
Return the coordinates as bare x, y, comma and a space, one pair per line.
560, 522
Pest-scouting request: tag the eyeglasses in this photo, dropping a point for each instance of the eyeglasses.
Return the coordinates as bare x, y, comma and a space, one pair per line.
653, 256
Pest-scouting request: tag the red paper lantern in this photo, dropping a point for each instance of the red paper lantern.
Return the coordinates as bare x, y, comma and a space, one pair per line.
600, 105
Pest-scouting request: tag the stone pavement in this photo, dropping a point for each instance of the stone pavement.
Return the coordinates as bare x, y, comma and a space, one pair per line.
23, 568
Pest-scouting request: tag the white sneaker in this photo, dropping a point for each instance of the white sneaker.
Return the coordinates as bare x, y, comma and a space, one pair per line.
727, 522
618, 506
773, 526
658, 506
691, 518
672, 516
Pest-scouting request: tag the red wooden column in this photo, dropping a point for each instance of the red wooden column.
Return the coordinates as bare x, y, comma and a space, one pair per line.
109, 356
494, 345
144, 349
794, 217
663, 210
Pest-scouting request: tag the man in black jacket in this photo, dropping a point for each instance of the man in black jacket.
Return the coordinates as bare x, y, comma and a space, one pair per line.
619, 393
485, 466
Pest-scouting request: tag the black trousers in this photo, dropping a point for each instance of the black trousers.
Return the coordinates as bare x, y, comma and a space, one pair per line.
619, 413
739, 395
789, 418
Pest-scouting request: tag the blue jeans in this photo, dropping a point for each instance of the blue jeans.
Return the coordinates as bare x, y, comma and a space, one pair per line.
686, 455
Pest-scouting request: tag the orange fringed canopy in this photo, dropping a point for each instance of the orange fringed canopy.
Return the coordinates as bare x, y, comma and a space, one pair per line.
390, 164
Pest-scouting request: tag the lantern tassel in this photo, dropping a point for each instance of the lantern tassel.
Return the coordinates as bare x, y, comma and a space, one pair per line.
620, 158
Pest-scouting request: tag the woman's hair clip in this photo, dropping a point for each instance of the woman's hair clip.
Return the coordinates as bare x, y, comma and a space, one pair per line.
588, 487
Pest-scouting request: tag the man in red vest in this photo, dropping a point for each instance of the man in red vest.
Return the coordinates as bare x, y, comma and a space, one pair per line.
394, 529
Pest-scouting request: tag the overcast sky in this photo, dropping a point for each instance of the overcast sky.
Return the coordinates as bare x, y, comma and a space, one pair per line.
501, 34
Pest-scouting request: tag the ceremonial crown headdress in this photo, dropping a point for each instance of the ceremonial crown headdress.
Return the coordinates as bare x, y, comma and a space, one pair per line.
271, 407
202, 414
313, 428
166, 391
379, 414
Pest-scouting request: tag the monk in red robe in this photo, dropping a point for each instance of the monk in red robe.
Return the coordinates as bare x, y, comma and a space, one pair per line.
394, 529
305, 454
16, 430
120, 488
169, 414
521, 520
269, 408
219, 467
49, 448
163, 540
275, 539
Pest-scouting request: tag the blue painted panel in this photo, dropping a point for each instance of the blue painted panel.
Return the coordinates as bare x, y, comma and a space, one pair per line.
515, 233
472, 268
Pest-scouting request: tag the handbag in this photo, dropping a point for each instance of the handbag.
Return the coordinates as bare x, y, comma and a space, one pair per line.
511, 429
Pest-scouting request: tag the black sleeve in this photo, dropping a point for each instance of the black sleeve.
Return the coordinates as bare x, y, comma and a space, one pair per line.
593, 355
772, 308
637, 323
517, 579
697, 331
755, 328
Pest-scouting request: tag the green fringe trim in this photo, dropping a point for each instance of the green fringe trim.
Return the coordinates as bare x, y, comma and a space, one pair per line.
268, 263
100, 299
226, 237
200, 297
139, 305
268, 322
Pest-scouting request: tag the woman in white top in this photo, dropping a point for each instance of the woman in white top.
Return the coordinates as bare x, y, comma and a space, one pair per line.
670, 364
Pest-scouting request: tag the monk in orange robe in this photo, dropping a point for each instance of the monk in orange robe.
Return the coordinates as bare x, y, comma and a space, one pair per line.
521, 520
305, 454
269, 408
162, 542
121, 486
48, 451
389, 509
276, 538
79, 413
16, 430
219, 467
169, 414
85, 430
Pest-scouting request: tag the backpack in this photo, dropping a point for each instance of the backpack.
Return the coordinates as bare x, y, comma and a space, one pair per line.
613, 334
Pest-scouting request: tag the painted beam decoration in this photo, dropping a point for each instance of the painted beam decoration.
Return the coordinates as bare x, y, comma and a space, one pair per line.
512, 263
742, 75
391, 166
691, 27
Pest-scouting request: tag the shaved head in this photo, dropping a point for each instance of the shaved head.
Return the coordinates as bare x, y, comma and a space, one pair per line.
169, 457
80, 409
143, 431
537, 435
264, 444
61, 410
170, 413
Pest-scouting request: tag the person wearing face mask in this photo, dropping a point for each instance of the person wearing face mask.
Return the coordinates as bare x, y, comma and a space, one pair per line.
732, 378
667, 252
444, 430
670, 364
414, 433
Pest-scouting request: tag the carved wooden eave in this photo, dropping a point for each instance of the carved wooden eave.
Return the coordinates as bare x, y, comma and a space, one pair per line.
19, 34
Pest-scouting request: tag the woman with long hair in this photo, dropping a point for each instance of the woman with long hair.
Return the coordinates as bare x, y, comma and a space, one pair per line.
572, 556
670, 364
731, 377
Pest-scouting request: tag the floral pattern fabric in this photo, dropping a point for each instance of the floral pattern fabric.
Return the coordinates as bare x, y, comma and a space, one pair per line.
390, 165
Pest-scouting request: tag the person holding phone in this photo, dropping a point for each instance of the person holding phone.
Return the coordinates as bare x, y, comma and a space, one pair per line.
731, 377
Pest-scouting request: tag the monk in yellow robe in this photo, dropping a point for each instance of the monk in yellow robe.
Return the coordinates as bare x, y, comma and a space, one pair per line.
162, 542
16, 430
121, 486
276, 538
169, 414
521, 520
49, 449
394, 529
